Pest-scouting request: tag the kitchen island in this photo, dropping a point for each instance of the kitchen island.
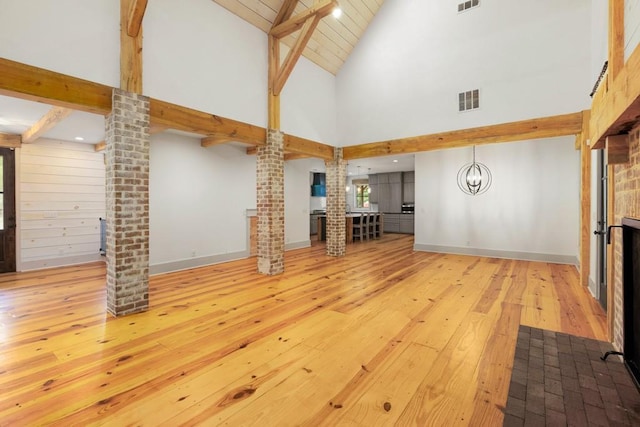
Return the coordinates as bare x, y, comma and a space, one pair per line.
322, 225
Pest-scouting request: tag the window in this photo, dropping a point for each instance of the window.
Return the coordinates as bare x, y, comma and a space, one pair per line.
361, 193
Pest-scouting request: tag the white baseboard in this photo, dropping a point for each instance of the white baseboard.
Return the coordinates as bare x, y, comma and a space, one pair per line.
491, 253
186, 264
297, 245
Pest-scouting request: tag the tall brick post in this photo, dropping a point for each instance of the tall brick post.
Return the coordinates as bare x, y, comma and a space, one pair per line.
336, 184
270, 200
127, 179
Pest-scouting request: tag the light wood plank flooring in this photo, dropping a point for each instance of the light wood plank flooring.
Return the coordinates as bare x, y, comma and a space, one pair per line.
383, 336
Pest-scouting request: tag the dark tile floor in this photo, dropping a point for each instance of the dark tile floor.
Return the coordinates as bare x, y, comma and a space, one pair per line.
560, 380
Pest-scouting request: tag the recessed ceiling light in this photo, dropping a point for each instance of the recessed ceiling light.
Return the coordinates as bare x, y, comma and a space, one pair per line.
79, 138
337, 12
395, 160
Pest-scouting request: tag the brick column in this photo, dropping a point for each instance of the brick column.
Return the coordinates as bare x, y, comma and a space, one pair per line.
270, 199
336, 184
127, 176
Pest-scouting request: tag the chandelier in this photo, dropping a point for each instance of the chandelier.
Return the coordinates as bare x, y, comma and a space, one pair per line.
474, 178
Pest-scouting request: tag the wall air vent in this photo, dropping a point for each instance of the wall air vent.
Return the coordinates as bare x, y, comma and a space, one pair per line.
469, 100
466, 5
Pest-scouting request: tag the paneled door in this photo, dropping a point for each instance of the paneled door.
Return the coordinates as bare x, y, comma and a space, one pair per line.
7, 210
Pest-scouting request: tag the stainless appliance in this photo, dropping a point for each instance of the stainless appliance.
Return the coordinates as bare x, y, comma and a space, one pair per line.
407, 208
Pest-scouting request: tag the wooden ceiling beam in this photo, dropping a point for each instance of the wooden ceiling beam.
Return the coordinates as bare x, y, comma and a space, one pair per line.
222, 138
285, 12
10, 140
297, 145
294, 24
616, 37
174, 116
545, 127
36, 84
299, 148
134, 19
46, 123
100, 146
294, 54
616, 106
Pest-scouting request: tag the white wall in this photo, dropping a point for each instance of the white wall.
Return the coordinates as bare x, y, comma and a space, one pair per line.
631, 26
599, 37
296, 204
529, 59
76, 37
197, 202
198, 54
531, 210
61, 195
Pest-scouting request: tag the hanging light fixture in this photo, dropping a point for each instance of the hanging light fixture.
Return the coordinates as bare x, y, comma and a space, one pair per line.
474, 178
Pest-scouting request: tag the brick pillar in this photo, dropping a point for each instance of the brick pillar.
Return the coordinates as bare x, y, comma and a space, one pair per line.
336, 196
270, 198
127, 176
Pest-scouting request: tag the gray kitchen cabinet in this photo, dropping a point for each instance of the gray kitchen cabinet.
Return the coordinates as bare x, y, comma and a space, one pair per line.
408, 187
407, 223
384, 196
395, 177
313, 224
392, 223
395, 192
373, 185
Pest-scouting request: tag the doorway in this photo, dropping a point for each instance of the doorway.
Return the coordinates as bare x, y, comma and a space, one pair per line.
601, 231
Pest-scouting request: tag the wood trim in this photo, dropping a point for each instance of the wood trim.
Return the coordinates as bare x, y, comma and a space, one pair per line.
10, 140
100, 146
616, 107
134, 19
545, 127
295, 23
37, 84
130, 50
616, 37
46, 123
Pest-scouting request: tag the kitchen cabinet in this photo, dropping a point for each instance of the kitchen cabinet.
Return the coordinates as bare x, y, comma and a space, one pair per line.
399, 223
407, 223
313, 224
373, 185
392, 223
408, 187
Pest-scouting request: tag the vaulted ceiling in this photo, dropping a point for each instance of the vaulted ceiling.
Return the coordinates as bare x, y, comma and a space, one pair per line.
331, 42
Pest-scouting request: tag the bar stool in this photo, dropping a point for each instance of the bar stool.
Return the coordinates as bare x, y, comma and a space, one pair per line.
374, 225
359, 227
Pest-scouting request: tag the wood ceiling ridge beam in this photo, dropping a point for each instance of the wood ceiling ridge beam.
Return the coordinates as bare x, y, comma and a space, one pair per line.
295, 23
136, 13
47, 122
296, 147
544, 127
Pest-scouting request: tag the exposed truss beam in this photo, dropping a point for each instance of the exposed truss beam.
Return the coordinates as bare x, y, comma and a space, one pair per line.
134, 20
285, 12
294, 54
130, 48
46, 123
294, 24
616, 37
545, 127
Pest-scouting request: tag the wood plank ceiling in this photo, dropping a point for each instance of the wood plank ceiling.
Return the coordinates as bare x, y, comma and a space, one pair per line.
331, 42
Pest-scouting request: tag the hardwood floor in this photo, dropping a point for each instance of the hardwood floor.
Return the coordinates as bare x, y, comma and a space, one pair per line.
382, 336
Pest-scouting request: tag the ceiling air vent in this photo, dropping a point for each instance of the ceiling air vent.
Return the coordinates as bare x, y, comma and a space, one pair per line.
469, 100
466, 5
